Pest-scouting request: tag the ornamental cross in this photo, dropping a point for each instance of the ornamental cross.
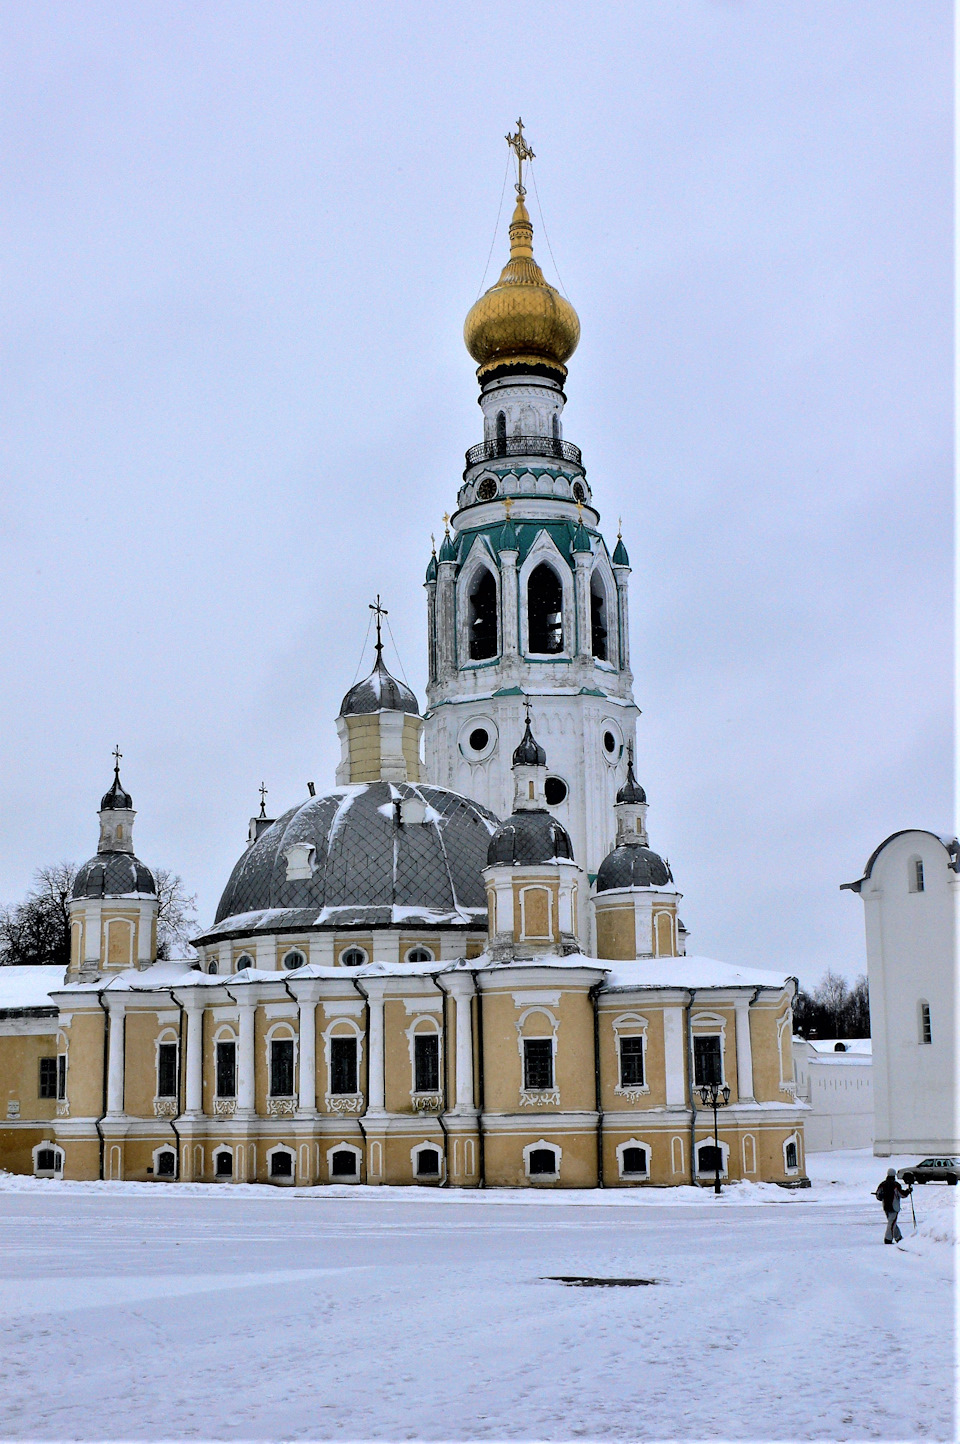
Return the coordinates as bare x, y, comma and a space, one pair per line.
518, 144
263, 799
116, 754
380, 612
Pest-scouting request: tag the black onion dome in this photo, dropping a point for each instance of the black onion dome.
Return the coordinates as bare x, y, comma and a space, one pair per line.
117, 798
379, 693
631, 791
114, 874
373, 867
529, 753
633, 866
529, 838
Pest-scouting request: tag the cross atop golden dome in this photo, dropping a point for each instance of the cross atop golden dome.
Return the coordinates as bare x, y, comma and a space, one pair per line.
521, 320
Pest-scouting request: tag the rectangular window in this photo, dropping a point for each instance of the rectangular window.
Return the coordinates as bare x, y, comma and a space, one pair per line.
62, 1076
48, 1078
281, 1068
226, 1070
918, 875
167, 1070
707, 1066
926, 1030
426, 1063
538, 1062
631, 1062
343, 1066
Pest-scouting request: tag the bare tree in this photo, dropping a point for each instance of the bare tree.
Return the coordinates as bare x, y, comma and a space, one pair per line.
37, 930
176, 915
834, 1009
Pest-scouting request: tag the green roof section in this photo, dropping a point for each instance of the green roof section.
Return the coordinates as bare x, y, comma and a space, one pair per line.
620, 558
448, 552
432, 568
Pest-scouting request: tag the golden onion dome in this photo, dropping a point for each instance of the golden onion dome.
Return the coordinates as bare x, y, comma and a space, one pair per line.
521, 320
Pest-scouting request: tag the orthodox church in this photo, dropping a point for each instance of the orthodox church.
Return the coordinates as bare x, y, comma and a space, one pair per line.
463, 965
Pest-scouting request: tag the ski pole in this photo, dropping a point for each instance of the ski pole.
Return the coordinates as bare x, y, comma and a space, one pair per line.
913, 1211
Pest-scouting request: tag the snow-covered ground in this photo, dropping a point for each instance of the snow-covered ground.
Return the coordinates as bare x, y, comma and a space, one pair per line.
152, 1311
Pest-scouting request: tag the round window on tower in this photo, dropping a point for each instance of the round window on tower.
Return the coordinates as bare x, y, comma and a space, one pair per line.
611, 741
477, 739
555, 791
579, 494
487, 489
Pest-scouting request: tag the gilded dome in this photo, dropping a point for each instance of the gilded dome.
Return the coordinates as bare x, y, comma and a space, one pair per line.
521, 319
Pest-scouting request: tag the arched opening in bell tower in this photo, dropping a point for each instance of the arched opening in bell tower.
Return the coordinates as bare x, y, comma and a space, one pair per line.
545, 611
483, 616
501, 434
598, 615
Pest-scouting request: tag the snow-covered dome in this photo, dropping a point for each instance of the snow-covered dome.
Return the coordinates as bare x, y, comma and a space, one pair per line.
114, 874
528, 838
378, 854
380, 692
633, 866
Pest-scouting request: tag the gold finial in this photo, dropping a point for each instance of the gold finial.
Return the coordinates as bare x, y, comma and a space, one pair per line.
518, 144
381, 612
507, 504
433, 544
619, 528
446, 521
579, 512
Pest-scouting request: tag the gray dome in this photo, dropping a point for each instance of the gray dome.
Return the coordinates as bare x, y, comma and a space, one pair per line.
372, 868
529, 837
631, 791
633, 866
114, 874
379, 693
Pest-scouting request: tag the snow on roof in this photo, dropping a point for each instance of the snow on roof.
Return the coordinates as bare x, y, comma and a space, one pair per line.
29, 987
689, 972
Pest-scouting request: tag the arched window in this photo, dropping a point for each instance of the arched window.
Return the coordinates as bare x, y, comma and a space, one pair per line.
223, 1164
598, 618
556, 426
165, 1164
428, 1163
213, 968
790, 1154
501, 434
483, 616
245, 961
294, 959
915, 874
419, 955
545, 611
343, 1164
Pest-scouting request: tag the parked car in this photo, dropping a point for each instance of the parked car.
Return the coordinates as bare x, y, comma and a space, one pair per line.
931, 1170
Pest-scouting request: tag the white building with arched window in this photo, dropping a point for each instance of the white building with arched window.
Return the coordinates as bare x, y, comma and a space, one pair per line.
909, 892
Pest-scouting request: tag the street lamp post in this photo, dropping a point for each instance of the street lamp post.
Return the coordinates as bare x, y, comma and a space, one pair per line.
718, 1096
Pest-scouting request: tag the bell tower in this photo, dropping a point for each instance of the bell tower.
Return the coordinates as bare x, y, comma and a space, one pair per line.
525, 599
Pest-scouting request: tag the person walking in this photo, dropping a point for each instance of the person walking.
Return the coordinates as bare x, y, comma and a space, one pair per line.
890, 1192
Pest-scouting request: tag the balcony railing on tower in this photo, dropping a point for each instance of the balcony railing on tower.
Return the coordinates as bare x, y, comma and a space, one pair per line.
524, 446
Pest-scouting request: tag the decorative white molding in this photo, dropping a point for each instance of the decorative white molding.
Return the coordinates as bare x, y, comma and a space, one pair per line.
281, 1107
342, 1007
343, 1102
427, 1102
539, 1097
63, 1108
224, 1107
165, 1107
546, 1000
422, 1005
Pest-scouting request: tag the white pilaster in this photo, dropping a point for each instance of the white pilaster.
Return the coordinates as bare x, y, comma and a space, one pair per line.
375, 1042
508, 603
115, 1054
673, 1056
583, 561
460, 988
246, 1077
744, 1052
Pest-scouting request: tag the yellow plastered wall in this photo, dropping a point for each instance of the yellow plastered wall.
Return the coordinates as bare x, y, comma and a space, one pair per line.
410, 744
363, 735
85, 1062
654, 1065
766, 1051
504, 1165
573, 1067
20, 1056
616, 932
536, 909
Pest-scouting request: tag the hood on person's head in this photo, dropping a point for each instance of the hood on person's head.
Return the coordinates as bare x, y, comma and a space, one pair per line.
891, 1173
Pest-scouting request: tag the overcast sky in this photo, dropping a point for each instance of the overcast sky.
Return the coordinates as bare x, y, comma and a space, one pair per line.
238, 244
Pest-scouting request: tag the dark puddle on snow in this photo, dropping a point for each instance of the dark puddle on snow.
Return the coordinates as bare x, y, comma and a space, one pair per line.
580, 1281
